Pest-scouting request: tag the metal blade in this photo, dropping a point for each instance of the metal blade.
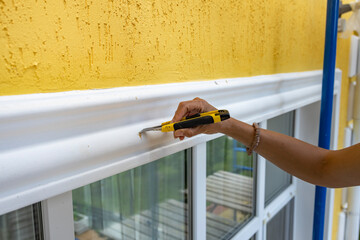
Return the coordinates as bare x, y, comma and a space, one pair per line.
156, 128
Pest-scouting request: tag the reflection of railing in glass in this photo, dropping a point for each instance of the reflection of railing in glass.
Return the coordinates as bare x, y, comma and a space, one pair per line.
147, 202
229, 188
24, 223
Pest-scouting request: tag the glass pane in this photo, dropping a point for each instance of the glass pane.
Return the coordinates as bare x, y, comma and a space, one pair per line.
280, 227
24, 223
276, 180
229, 187
148, 202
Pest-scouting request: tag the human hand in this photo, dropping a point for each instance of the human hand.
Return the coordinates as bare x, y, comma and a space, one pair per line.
188, 108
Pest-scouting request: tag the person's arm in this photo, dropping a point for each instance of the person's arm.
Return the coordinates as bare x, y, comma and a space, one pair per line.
313, 164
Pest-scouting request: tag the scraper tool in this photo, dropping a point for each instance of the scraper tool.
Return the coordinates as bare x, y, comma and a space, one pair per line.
191, 121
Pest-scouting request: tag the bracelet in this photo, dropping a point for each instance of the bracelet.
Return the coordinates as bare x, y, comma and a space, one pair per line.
256, 140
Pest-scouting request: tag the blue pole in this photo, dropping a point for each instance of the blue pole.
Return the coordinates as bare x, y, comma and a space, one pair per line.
332, 15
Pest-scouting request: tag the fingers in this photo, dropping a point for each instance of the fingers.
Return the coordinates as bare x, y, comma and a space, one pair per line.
188, 132
188, 108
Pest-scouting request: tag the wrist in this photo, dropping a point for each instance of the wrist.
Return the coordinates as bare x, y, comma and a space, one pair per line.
238, 130
226, 127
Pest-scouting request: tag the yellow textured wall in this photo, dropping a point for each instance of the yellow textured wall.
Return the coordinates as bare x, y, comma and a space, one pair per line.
50, 46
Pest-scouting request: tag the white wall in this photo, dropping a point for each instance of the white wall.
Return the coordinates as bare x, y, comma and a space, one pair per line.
305, 192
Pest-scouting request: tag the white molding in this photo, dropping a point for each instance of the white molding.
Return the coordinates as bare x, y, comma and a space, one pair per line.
249, 230
199, 191
296, 195
58, 220
353, 56
330, 194
53, 143
306, 129
329, 213
279, 202
260, 190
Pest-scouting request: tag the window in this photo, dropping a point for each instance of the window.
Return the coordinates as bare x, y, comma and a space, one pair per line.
229, 187
276, 180
147, 202
280, 227
24, 223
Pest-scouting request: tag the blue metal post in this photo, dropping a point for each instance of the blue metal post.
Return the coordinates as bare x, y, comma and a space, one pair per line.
326, 108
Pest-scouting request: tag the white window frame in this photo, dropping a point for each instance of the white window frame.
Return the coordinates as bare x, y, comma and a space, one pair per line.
54, 143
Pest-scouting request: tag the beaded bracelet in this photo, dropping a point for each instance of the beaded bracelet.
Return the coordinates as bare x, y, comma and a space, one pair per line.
256, 140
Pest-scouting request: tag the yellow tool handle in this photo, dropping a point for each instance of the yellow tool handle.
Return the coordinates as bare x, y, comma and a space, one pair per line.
196, 120
193, 116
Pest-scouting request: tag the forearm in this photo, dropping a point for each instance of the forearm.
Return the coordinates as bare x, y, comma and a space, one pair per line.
300, 159
313, 164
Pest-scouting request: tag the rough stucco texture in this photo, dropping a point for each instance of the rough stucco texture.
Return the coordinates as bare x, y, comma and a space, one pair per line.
50, 46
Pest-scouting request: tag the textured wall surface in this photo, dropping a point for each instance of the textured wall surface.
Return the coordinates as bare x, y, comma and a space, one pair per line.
50, 46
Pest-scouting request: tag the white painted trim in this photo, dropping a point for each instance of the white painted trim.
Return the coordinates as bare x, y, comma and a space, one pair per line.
329, 213
306, 129
266, 214
330, 195
353, 56
256, 225
277, 204
58, 221
293, 179
335, 122
260, 190
53, 143
199, 191
248, 230
294, 183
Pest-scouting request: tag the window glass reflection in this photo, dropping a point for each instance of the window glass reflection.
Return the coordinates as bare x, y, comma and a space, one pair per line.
148, 202
24, 223
229, 187
277, 180
280, 227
